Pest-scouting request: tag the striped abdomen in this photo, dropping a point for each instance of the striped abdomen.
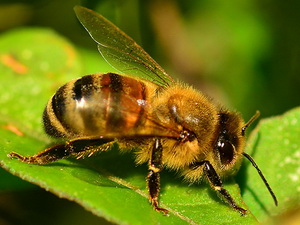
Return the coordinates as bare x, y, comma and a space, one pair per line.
96, 105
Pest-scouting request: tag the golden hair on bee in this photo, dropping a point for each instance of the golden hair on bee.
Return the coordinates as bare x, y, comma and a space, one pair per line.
166, 123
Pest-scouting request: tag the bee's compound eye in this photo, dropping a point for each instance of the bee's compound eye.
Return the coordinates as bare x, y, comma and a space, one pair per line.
226, 151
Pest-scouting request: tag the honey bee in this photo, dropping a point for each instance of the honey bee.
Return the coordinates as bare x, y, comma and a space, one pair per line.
166, 123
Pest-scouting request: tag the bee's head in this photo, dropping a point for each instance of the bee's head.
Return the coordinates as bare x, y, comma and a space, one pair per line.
230, 142
229, 146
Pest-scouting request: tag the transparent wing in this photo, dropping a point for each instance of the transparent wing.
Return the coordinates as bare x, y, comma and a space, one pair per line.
119, 50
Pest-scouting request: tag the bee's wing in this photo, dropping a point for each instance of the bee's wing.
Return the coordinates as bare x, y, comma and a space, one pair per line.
119, 50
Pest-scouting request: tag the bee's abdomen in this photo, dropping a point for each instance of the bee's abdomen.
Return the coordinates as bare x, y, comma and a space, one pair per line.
96, 105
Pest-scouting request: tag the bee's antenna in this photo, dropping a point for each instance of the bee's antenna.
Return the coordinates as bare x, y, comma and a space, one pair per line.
262, 177
254, 117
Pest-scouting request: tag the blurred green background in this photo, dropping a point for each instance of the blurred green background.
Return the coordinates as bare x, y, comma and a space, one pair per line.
245, 54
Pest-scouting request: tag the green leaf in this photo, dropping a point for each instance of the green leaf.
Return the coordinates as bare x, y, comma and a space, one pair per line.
109, 185
275, 146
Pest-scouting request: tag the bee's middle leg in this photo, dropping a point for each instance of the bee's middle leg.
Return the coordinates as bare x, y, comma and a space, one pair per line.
153, 179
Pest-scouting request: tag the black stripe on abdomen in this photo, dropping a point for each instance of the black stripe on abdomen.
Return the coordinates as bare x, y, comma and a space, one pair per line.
49, 127
115, 118
83, 88
59, 105
85, 94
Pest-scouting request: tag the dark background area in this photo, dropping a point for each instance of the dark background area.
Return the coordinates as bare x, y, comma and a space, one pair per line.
245, 54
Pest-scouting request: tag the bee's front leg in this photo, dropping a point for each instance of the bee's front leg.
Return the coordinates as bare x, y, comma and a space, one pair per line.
216, 182
153, 179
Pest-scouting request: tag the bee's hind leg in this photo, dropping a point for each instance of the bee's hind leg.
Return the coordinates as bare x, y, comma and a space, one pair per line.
77, 148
